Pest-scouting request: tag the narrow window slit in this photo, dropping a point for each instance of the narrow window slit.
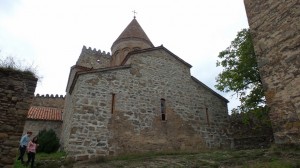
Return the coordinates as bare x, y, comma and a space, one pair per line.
163, 109
112, 103
207, 117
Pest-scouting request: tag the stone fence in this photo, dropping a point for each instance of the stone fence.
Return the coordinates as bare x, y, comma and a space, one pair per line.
47, 100
16, 94
248, 131
255, 142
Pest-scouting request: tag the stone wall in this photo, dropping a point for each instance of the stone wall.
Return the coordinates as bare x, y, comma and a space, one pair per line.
118, 110
67, 122
38, 125
275, 27
49, 101
89, 59
16, 94
250, 131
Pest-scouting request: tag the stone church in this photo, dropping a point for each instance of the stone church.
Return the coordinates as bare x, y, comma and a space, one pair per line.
139, 98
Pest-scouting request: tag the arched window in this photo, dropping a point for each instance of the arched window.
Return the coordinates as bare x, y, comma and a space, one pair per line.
126, 51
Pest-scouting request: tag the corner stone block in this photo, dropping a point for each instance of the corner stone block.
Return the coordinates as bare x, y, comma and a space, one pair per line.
82, 158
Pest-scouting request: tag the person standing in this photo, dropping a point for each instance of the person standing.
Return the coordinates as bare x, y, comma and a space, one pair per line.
23, 145
31, 149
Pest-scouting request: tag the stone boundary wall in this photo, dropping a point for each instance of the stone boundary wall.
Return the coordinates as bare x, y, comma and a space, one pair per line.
47, 100
16, 94
252, 142
275, 27
38, 125
250, 132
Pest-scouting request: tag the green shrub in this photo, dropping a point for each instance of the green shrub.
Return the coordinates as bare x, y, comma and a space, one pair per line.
48, 141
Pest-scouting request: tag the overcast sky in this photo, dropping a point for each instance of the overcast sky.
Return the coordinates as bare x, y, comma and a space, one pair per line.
50, 33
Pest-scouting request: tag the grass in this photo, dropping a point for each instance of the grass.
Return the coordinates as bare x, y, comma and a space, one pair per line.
52, 156
255, 158
41, 157
149, 155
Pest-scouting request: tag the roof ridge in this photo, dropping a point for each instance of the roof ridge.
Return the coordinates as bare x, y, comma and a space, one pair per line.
151, 49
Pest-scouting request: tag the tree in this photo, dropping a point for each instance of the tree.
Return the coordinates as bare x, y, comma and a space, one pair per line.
241, 74
48, 141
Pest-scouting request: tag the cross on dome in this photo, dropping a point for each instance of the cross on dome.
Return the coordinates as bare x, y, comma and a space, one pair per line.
134, 12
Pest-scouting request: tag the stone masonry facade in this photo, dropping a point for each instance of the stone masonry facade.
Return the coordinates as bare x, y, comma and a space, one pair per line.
112, 111
38, 125
275, 28
16, 94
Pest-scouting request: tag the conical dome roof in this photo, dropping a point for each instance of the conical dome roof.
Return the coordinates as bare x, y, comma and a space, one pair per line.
133, 32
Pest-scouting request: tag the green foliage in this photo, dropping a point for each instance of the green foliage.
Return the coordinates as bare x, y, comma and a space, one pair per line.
51, 156
241, 74
257, 118
48, 141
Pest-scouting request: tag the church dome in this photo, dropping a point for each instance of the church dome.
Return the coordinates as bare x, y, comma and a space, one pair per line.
132, 38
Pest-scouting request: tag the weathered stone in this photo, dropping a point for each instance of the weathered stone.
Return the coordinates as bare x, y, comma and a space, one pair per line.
22, 105
11, 143
35, 126
7, 128
7, 160
13, 152
274, 26
54, 101
82, 157
12, 123
14, 99
3, 136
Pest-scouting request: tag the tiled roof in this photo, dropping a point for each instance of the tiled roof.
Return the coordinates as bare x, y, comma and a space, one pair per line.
45, 113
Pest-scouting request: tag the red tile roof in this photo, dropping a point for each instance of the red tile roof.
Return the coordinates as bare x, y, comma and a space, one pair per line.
45, 113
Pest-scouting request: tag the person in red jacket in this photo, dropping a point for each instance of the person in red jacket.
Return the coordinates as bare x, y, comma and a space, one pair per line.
31, 149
